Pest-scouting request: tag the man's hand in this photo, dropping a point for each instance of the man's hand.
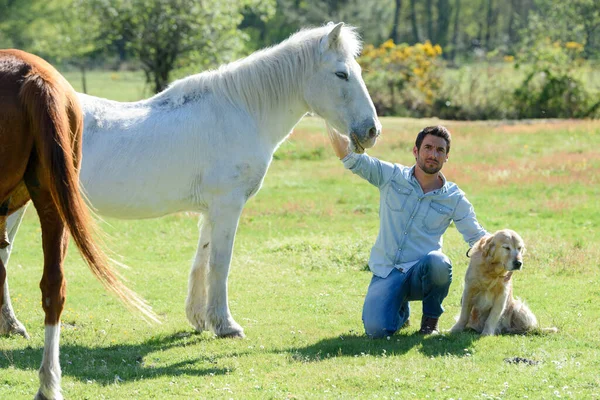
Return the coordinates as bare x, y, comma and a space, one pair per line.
339, 142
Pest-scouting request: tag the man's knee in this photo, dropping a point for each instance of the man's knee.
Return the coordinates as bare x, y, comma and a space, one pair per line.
440, 268
376, 328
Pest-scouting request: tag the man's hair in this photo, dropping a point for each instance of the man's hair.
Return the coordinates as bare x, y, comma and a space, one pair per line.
438, 131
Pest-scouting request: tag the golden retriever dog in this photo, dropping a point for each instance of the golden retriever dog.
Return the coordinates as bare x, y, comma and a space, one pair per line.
487, 305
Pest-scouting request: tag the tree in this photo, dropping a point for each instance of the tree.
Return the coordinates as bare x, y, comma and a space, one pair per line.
165, 34
394, 34
16, 18
455, 31
443, 25
372, 17
413, 22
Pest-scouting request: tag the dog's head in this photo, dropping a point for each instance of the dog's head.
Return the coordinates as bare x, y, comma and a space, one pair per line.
504, 247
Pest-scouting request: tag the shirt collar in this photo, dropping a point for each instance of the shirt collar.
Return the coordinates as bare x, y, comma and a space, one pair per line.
444, 187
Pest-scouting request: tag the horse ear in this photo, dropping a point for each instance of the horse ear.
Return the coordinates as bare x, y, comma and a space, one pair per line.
330, 41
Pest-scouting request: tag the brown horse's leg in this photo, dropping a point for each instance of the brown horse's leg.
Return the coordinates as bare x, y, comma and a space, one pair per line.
53, 286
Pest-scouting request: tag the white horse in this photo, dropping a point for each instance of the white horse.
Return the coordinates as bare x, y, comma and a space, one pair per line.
205, 144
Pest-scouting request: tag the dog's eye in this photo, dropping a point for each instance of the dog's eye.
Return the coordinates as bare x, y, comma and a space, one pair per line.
506, 247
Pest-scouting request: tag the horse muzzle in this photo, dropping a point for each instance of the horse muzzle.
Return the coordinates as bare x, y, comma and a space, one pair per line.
365, 135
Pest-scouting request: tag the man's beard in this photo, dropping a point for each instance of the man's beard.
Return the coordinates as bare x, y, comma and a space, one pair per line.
429, 170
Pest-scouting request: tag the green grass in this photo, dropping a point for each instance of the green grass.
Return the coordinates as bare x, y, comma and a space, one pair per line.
298, 280
114, 85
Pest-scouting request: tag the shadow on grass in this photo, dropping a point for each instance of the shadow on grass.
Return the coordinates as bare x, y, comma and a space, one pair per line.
355, 345
111, 363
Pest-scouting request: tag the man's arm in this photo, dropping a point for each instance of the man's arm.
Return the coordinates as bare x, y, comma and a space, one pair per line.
339, 142
466, 222
373, 170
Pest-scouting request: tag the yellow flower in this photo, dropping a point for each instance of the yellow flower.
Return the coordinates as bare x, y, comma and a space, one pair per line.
509, 58
574, 46
417, 71
388, 44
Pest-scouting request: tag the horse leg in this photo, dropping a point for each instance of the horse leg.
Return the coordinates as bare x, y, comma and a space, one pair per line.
53, 286
9, 324
3, 233
223, 220
195, 305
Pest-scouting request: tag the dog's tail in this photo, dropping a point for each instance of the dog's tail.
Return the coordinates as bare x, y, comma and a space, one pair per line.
519, 318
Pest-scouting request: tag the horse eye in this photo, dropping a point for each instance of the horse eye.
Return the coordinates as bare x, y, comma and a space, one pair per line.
342, 75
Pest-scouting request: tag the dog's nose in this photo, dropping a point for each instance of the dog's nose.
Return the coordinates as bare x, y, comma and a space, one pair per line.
517, 264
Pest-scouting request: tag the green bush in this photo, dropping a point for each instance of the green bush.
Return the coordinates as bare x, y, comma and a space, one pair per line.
551, 88
402, 79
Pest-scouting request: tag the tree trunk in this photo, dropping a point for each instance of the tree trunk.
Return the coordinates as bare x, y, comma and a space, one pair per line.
489, 24
394, 33
413, 22
511, 32
429, 19
455, 32
443, 25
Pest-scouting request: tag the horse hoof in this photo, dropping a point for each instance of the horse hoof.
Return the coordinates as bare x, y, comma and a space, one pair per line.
10, 326
40, 396
18, 330
232, 335
234, 330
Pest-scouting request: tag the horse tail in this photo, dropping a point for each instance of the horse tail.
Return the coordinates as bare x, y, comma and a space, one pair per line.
56, 121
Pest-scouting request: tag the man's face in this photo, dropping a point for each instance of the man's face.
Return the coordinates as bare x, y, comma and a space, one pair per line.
432, 155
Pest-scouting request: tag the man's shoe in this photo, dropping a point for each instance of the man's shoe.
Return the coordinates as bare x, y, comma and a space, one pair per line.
429, 326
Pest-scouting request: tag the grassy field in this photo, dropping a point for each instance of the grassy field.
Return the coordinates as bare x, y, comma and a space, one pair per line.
299, 276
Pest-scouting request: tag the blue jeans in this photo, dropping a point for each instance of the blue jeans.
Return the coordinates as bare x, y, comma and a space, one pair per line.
386, 306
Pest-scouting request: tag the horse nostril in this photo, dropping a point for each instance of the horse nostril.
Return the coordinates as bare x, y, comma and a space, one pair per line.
373, 133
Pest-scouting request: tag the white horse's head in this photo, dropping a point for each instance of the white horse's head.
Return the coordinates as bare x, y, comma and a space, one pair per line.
337, 92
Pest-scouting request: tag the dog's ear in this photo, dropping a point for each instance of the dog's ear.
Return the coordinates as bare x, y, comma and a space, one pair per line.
487, 246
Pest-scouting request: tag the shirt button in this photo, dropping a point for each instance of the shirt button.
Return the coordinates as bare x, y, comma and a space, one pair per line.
405, 233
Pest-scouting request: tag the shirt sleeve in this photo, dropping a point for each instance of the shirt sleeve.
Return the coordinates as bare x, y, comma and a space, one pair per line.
377, 172
466, 222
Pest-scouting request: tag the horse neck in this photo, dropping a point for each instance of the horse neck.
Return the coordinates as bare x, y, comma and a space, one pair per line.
270, 85
277, 124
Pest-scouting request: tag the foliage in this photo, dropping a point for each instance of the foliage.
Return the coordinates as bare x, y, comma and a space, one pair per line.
166, 34
401, 76
551, 88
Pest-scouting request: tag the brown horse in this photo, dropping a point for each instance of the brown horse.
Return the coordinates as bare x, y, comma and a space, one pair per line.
40, 152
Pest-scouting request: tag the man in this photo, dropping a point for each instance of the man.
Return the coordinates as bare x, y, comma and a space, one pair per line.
417, 204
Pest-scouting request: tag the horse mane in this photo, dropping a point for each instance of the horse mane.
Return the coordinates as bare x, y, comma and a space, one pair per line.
265, 78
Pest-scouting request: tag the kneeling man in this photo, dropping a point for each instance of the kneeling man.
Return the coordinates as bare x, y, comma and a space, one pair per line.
417, 204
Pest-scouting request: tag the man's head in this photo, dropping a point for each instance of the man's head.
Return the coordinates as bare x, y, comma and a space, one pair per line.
431, 148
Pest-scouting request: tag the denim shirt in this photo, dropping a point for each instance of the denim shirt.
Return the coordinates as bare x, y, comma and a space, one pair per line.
411, 222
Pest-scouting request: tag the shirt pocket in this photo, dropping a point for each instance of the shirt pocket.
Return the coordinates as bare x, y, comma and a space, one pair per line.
397, 196
437, 218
